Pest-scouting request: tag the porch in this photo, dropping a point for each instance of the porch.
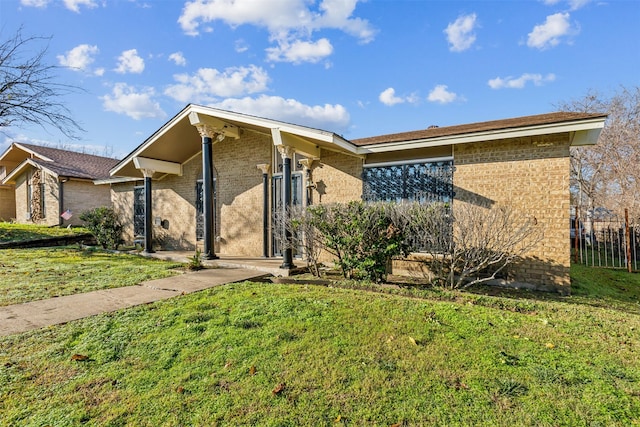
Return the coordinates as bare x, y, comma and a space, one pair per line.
266, 265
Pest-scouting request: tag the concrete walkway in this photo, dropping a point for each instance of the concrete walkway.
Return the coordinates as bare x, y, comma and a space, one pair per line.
15, 319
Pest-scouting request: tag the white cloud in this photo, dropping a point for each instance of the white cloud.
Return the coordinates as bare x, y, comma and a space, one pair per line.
241, 46
388, 97
79, 58
178, 58
35, 3
330, 117
549, 34
130, 62
460, 33
573, 4
520, 82
300, 51
207, 84
441, 95
74, 5
124, 99
288, 22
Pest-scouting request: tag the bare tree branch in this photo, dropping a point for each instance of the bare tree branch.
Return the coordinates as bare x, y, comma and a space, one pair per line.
29, 93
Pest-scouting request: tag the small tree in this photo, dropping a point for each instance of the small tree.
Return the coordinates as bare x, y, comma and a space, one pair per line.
105, 225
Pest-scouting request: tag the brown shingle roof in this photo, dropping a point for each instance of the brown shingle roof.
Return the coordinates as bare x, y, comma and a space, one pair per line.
73, 164
494, 125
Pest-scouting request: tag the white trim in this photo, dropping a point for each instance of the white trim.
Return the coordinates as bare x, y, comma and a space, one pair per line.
114, 180
409, 162
485, 136
162, 166
20, 168
23, 148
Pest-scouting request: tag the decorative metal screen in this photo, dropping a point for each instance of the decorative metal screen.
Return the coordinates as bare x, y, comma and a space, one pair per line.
200, 209
138, 211
417, 182
296, 200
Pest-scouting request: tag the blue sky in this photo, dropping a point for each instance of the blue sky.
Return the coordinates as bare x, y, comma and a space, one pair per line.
357, 68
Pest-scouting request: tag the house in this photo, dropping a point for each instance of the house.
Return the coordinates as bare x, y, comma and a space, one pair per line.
212, 179
41, 183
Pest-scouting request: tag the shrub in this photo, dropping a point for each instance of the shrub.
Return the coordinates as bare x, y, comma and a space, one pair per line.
105, 225
363, 237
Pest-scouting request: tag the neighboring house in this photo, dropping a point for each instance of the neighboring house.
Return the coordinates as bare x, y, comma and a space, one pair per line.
46, 182
212, 179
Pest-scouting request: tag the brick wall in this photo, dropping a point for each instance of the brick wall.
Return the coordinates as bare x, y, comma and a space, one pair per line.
532, 176
122, 203
7, 203
81, 196
338, 178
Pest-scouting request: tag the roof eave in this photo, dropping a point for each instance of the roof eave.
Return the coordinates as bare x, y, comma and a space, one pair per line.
585, 129
10, 178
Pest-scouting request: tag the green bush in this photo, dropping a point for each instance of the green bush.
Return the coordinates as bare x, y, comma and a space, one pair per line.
362, 236
105, 225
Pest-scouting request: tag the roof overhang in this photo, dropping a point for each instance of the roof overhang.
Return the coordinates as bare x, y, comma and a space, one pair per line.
178, 141
582, 132
13, 155
22, 167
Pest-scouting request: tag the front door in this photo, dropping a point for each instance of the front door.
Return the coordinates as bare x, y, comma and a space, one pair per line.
296, 200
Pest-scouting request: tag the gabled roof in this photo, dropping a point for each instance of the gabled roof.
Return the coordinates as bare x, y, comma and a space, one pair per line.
530, 125
63, 163
177, 141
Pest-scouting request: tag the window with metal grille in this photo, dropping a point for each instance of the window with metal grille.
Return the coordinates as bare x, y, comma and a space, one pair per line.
138, 211
424, 182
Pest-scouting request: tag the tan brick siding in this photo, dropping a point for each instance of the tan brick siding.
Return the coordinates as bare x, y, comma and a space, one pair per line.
531, 175
7, 203
122, 202
81, 196
338, 178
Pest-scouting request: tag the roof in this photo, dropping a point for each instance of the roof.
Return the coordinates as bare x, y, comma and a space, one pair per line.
178, 140
64, 163
480, 127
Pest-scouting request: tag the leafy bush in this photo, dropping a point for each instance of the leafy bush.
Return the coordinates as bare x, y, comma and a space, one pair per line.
105, 225
363, 237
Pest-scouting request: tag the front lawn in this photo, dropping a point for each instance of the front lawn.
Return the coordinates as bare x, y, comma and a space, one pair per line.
301, 355
10, 232
33, 274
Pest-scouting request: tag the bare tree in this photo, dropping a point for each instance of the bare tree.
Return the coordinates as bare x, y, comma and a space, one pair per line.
29, 93
472, 245
608, 174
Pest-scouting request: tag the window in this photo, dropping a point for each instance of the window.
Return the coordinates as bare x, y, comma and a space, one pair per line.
424, 182
138, 211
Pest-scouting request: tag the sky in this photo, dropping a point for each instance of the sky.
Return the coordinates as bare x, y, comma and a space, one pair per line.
353, 67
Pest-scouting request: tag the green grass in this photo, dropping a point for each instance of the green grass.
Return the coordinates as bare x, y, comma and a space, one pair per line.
33, 274
10, 232
340, 356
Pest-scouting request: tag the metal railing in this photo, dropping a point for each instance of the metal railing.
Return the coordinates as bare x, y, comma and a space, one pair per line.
600, 238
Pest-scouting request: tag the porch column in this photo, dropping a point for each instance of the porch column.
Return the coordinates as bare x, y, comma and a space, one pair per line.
148, 220
307, 165
208, 133
265, 208
287, 153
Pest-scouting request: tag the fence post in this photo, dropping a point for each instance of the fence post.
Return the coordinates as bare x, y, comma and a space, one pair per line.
576, 241
627, 238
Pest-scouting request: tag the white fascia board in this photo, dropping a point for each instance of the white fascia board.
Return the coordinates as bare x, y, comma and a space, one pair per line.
547, 129
114, 180
303, 131
157, 134
161, 166
21, 167
23, 148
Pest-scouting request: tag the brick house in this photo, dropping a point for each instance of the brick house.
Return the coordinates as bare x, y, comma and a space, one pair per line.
232, 171
43, 182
